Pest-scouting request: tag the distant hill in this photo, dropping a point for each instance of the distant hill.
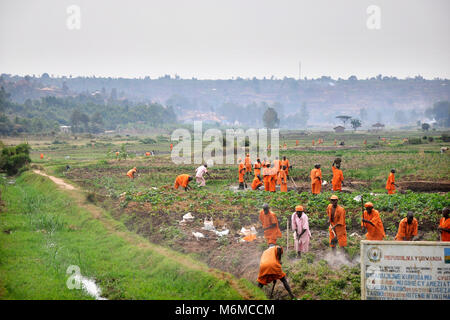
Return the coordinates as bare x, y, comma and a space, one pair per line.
324, 98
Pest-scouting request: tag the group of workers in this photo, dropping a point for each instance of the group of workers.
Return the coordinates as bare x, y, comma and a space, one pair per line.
273, 174
270, 264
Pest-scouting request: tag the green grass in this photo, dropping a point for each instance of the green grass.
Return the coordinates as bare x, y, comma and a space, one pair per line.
42, 233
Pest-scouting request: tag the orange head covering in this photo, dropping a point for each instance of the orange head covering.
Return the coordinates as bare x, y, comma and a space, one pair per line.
368, 204
299, 208
334, 197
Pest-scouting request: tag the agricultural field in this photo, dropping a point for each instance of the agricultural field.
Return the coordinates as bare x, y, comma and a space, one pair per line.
148, 210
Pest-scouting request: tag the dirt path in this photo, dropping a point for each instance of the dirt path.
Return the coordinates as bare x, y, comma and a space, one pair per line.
112, 226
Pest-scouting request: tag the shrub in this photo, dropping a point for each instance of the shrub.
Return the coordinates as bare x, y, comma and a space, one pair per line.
14, 158
445, 137
414, 141
430, 139
148, 141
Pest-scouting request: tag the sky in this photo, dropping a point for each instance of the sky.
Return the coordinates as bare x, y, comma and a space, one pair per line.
225, 39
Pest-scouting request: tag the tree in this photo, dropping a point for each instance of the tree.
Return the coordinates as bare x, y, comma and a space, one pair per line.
356, 123
12, 159
270, 118
440, 112
344, 119
425, 126
75, 120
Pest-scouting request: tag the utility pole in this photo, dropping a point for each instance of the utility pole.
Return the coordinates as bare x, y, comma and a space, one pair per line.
299, 70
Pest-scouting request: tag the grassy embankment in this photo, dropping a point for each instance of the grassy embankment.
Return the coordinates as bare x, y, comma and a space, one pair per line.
43, 231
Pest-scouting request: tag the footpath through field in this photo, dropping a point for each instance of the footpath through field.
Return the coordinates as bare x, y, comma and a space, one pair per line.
77, 195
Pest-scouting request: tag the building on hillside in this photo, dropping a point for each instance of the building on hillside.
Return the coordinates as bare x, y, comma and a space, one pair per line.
378, 126
65, 129
339, 129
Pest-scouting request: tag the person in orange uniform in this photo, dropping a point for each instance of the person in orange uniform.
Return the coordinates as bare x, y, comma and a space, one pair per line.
444, 225
171, 146
273, 179
277, 164
335, 142
337, 228
241, 172
285, 146
270, 269
407, 229
313, 142
147, 154
316, 179
296, 142
371, 222
257, 167
390, 183
248, 164
183, 181
266, 176
365, 141
117, 154
131, 173
285, 162
256, 183
42, 156
269, 223
338, 177
282, 179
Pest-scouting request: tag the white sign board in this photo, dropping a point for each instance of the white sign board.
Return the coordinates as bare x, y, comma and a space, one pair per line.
405, 270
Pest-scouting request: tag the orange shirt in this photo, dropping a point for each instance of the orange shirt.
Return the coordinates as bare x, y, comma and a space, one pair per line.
256, 183
267, 220
390, 181
373, 232
445, 223
248, 164
407, 231
338, 177
257, 169
270, 267
181, 180
241, 172
131, 173
339, 218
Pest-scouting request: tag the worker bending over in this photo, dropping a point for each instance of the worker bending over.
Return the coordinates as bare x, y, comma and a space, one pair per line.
371, 222
199, 172
407, 229
270, 269
131, 173
183, 181
256, 184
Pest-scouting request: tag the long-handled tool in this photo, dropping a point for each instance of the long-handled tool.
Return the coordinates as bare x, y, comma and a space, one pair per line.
293, 182
273, 287
362, 212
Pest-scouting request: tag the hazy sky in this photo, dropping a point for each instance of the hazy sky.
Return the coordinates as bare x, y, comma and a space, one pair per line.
221, 39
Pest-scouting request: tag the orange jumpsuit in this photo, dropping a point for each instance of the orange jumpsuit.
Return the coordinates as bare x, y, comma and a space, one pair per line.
373, 233
285, 163
147, 154
335, 141
390, 187
241, 172
338, 177
445, 223
341, 231
171, 146
296, 142
256, 183
266, 178
282, 180
131, 173
271, 235
270, 266
316, 184
248, 164
257, 169
182, 180
407, 231
42, 156
313, 142
276, 165
273, 182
